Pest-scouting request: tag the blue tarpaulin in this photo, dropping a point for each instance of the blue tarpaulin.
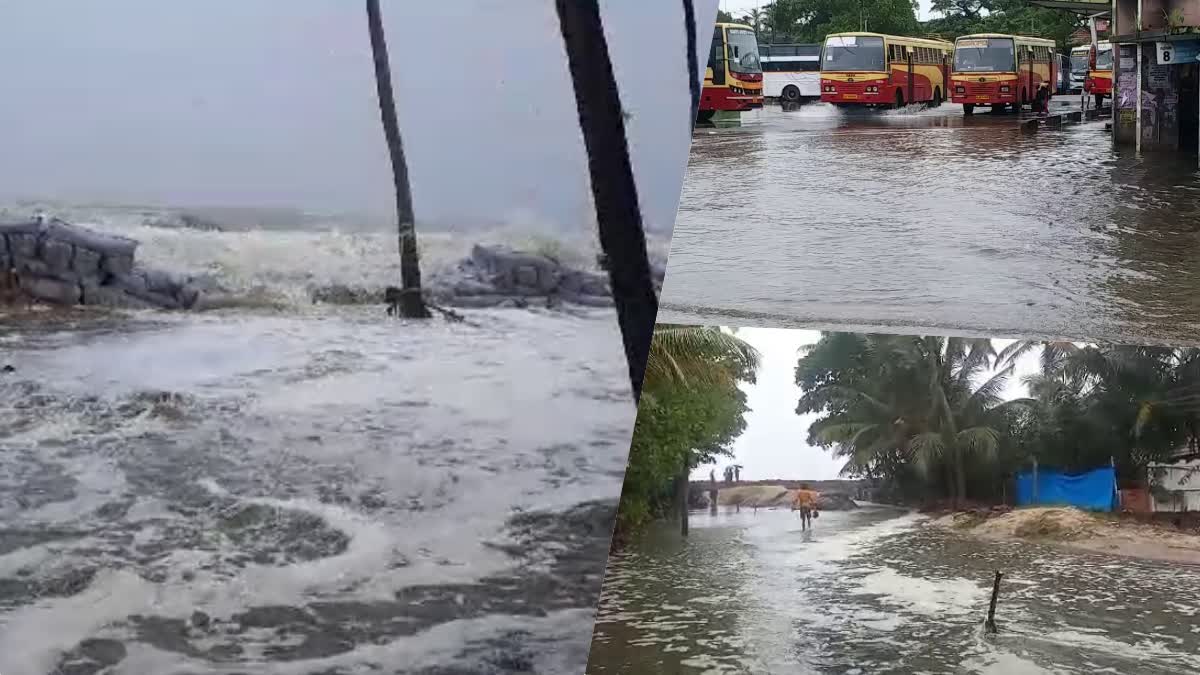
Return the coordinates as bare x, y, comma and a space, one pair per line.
1095, 490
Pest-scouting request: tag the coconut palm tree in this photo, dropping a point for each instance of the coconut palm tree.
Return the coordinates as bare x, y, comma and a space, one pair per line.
689, 27
614, 191
698, 356
911, 403
412, 303
695, 357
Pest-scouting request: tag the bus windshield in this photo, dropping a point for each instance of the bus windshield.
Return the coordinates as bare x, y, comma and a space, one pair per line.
1079, 63
1104, 59
743, 51
853, 53
984, 55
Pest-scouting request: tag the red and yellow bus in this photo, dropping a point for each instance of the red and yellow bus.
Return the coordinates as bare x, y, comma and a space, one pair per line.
1100, 72
1001, 71
872, 69
733, 80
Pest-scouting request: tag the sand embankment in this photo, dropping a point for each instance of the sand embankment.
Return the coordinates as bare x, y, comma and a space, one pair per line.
1076, 529
777, 496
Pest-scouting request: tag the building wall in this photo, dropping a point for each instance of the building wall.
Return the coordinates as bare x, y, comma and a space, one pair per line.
1183, 479
1125, 94
1160, 103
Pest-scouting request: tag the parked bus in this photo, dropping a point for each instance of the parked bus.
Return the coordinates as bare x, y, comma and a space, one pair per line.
871, 69
733, 78
1100, 72
1000, 71
1081, 56
791, 73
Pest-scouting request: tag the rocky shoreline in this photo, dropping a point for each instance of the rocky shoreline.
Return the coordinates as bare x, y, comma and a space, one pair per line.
58, 263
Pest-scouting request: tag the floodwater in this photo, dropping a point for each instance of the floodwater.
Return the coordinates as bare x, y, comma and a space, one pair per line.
298, 489
878, 590
930, 221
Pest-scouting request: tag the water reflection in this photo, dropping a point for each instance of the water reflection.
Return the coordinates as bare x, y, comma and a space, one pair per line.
927, 219
880, 591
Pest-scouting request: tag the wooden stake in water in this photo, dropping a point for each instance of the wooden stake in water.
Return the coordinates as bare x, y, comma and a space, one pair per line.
991, 619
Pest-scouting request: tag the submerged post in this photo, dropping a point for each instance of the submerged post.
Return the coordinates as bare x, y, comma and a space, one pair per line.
991, 617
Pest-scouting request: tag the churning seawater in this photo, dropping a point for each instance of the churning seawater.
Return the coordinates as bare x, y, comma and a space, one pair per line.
929, 220
299, 489
878, 590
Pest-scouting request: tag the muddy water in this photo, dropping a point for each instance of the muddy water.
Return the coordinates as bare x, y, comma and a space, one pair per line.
302, 489
880, 591
930, 220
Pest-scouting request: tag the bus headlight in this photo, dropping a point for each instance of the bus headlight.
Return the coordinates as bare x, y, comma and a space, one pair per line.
960, 90
872, 90
829, 88
1004, 89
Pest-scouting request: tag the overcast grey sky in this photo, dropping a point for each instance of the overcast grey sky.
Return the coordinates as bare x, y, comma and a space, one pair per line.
736, 7
271, 103
774, 444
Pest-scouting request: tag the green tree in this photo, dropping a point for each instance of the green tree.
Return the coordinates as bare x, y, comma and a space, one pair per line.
691, 411
812, 20
906, 408
1017, 17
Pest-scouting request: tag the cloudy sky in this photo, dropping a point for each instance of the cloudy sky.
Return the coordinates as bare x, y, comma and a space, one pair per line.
269, 103
736, 7
774, 443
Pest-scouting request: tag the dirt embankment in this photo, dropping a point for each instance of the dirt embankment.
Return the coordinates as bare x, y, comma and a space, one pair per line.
778, 496
1073, 528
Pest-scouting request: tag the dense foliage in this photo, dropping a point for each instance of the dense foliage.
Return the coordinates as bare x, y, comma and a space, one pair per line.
691, 411
1017, 17
785, 21
926, 416
811, 20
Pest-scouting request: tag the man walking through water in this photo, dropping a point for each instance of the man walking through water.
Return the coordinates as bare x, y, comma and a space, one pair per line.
805, 501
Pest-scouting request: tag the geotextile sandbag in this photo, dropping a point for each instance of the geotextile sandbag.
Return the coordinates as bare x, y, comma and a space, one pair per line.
55, 291
57, 254
103, 243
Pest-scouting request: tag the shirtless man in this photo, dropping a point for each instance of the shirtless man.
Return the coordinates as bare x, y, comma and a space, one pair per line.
805, 501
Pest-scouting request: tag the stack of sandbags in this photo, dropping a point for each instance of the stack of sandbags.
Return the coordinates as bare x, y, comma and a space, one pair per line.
65, 264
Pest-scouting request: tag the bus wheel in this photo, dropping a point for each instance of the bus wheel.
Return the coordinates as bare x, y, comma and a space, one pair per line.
704, 116
937, 98
899, 100
791, 94
968, 108
1099, 100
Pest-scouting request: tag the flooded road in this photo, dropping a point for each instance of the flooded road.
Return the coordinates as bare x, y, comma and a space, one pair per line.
304, 489
880, 591
929, 220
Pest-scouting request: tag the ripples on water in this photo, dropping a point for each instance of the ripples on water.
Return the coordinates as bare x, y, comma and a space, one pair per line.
924, 218
304, 490
878, 591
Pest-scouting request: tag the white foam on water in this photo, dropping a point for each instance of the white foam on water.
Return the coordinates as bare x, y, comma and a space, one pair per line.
924, 596
1005, 663
33, 637
529, 412
284, 264
437, 646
